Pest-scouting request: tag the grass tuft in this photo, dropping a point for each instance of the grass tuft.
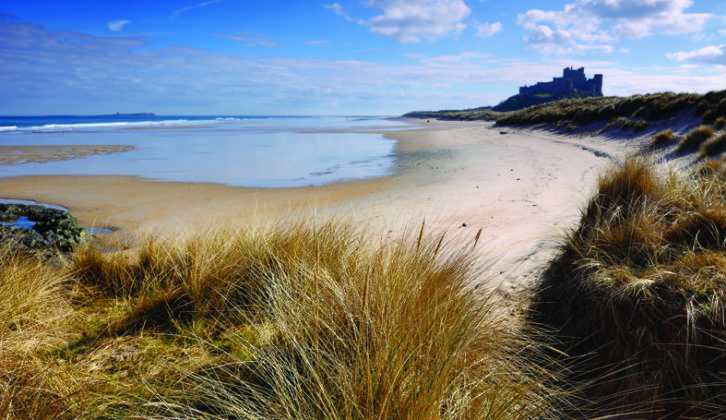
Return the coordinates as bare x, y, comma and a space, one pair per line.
709, 117
641, 125
714, 146
662, 138
391, 331
638, 290
721, 109
695, 138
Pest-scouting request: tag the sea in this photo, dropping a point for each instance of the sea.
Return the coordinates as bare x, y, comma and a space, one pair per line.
247, 151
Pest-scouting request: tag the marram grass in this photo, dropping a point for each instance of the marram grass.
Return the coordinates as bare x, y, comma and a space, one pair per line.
638, 292
369, 331
296, 320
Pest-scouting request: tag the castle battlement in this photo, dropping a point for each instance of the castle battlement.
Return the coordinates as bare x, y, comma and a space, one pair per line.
572, 80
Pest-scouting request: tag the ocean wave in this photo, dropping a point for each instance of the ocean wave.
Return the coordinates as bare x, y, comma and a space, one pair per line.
65, 127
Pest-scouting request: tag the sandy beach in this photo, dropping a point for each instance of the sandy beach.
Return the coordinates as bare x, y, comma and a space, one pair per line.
523, 188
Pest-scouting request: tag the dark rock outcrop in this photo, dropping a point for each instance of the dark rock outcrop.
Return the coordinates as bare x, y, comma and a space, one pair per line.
52, 229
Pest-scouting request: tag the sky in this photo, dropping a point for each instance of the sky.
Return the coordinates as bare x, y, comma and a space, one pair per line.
344, 57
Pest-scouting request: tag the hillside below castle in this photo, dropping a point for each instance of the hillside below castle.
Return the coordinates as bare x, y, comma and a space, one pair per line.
572, 84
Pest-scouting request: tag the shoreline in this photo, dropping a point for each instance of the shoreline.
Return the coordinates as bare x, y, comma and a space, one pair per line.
522, 189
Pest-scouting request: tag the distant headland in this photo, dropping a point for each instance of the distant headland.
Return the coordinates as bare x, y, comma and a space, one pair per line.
131, 114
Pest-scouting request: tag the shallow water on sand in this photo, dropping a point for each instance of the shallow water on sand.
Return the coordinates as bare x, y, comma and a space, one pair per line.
267, 152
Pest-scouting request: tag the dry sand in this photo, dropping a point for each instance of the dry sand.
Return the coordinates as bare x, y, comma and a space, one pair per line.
523, 188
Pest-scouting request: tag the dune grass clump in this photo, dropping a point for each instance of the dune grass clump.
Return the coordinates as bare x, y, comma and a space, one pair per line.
662, 138
638, 292
641, 125
648, 108
626, 123
708, 117
721, 108
392, 331
695, 138
295, 320
584, 111
36, 316
714, 146
183, 279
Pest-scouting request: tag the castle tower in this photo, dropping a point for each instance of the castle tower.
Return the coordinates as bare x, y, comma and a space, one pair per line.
597, 84
576, 75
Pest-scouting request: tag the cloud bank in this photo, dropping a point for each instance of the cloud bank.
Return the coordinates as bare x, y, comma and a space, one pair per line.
712, 54
412, 20
598, 24
56, 71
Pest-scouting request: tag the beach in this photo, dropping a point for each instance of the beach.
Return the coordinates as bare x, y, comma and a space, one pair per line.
523, 188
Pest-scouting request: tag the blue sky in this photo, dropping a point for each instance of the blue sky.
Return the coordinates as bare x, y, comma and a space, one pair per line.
344, 57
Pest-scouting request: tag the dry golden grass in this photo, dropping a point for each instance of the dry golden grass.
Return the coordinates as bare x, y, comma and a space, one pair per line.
714, 146
695, 138
619, 111
662, 138
36, 315
295, 321
372, 331
641, 125
638, 290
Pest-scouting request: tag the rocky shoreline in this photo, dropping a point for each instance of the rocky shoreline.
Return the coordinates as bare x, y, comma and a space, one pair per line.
50, 229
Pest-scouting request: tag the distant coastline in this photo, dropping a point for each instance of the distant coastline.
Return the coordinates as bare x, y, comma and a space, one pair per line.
130, 114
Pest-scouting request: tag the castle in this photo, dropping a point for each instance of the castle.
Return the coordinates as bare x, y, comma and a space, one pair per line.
571, 81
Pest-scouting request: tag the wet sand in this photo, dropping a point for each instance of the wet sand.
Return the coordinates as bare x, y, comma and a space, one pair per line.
14, 155
133, 206
522, 188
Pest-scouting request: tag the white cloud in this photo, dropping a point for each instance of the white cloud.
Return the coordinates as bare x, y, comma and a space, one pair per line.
318, 42
595, 24
117, 25
175, 14
710, 54
485, 30
249, 39
722, 32
338, 10
412, 20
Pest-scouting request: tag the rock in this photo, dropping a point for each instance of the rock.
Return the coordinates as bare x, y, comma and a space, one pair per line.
52, 229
